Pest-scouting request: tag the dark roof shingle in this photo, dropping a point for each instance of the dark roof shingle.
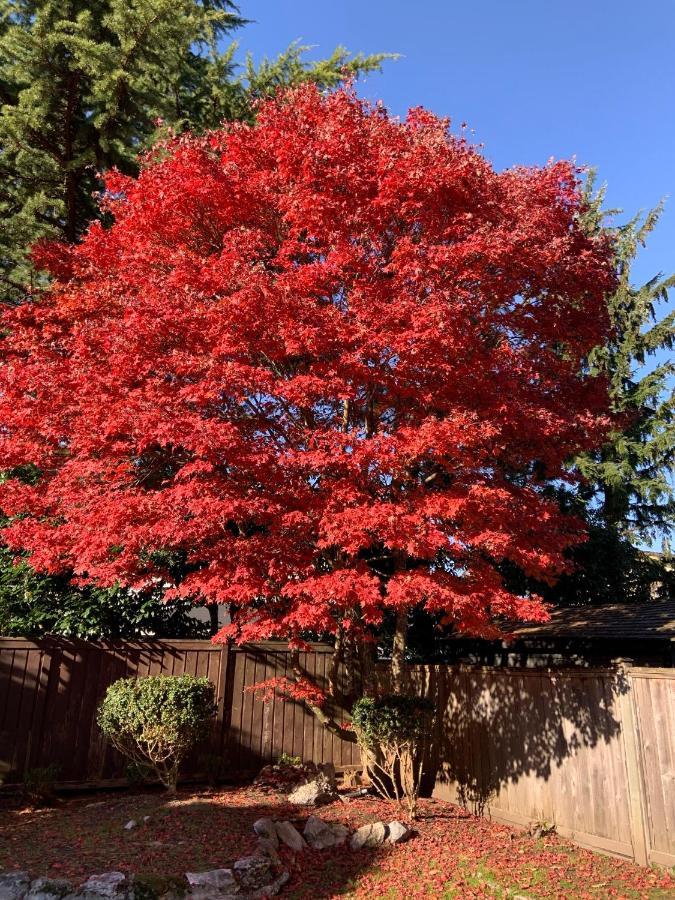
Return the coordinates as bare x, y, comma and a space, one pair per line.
613, 621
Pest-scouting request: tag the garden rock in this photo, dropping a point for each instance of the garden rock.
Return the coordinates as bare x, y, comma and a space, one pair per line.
131, 824
266, 847
253, 872
368, 836
109, 884
283, 776
289, 835
213, 885
13, 885
316, 792
320, 834
398, 832
50, 889
264, 828
268, 890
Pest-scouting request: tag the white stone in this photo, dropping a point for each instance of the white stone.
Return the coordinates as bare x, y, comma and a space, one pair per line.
131, 824
289, 835
320, 834
319, 790
109, 884
210, 885
264, 828
368, 836
50, 889
13, 885
398, 832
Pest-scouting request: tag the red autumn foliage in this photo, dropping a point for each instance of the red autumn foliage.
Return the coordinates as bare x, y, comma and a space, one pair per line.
302, 690
452, 854
328, 361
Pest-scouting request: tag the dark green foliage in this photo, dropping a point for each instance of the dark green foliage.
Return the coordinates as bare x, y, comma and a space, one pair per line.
629, 480
391, 718
608, 568
39, 783
33, 605
157, 720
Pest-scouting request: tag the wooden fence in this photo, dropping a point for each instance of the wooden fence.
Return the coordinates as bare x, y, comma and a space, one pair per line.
590, 751
50, 691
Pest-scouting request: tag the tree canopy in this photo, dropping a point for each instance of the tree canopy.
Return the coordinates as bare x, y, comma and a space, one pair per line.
333, 359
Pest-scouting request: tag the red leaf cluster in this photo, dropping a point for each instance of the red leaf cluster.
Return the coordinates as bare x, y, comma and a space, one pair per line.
300, 690
329, 361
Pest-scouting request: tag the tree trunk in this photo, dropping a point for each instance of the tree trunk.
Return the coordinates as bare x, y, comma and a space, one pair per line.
399, 672
322, 716
214, 624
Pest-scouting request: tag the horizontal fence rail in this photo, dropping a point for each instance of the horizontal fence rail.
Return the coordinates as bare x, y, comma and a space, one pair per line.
590, 751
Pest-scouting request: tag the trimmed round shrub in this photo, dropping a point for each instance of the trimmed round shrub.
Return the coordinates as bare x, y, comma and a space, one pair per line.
392, 732
157, 720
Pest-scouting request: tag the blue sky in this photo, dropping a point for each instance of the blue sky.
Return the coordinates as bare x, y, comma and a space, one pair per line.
533, 78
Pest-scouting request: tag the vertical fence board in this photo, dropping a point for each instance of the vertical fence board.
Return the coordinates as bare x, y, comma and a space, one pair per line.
655, 719
588, 750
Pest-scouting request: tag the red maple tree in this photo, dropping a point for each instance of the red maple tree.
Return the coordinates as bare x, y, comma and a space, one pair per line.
329, 362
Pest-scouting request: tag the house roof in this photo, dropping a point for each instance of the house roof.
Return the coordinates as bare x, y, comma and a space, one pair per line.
612, 621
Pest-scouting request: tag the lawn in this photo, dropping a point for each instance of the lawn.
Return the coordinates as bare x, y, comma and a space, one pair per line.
453, 854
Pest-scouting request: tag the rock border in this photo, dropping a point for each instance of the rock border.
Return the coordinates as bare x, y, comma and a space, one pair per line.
250, 878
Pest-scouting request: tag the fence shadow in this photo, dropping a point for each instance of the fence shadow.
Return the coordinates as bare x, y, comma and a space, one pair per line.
496, 726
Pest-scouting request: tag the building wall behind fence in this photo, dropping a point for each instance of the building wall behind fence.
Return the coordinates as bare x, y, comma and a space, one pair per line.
590, 751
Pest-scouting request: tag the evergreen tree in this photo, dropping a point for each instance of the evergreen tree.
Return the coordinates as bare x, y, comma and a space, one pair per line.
33, 605
86, 84
629, 478
627, 496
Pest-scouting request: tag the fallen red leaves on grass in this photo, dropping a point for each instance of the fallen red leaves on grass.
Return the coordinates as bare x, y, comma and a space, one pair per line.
453, 854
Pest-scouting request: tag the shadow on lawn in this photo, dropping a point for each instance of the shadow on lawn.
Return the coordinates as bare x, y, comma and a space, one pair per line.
496, 726
190, 832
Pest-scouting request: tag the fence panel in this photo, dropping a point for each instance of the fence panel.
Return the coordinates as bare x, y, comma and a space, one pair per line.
50, 691
591, 751
654, 703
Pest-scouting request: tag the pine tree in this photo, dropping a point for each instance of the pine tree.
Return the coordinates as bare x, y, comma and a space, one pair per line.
627, 496
86, 84
629, 478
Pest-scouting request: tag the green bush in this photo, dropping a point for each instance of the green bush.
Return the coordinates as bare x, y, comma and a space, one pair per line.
157, 720
38, 784
392, 717
287, 760
392, 732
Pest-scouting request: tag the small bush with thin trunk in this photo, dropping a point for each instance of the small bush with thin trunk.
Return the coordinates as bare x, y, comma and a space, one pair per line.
392, 732
157, 720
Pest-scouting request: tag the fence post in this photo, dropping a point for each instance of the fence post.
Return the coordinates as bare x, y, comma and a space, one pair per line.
221, 694
636, 799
